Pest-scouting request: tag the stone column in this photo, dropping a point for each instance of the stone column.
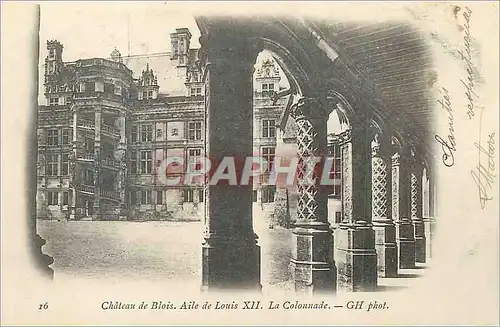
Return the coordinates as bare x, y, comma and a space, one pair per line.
405, 234
429, 220
355, 255
230, 254
385, 230
416, 211
97, 165
312, 258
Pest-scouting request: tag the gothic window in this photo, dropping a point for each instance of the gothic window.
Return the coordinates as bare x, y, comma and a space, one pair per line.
65, 136
196, 91
146, 133
267, 89
146, 162
194, 131
188, 196
52, 198
150, 94
268, 156
133, 134
53, 137
146, 197
52, 166
144, 95
65, 165
268, 128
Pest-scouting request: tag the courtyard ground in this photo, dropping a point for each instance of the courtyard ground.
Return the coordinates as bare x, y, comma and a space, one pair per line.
164, 251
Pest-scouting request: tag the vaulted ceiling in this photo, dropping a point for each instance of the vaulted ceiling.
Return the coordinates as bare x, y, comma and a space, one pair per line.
391, 58
396, 59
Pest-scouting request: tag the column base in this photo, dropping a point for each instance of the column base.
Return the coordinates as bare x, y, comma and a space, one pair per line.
44, 261
230, 262
420, 240
312, 262
430, 226
386, 248
356, 257
405, 235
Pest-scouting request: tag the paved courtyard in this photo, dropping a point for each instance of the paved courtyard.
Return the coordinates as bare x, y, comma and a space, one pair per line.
166, 251
149, 250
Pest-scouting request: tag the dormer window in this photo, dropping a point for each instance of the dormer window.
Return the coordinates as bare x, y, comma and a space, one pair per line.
196, 91
267, 89
54, 101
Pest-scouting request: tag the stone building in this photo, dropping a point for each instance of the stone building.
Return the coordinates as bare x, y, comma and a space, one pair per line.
103, 135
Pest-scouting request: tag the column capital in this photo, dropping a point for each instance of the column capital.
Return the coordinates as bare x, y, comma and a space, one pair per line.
309, 108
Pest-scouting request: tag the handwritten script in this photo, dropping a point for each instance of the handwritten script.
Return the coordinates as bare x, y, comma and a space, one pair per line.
448, 146
466, 56
484, 175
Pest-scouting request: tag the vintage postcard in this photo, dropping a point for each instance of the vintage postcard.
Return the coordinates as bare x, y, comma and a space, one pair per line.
250, 163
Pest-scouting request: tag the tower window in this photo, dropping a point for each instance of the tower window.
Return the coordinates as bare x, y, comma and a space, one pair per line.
268, 128
52, 53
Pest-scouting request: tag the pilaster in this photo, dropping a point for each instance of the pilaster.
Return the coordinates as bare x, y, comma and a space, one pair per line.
385, 230
416, 210
405, 233
355, 255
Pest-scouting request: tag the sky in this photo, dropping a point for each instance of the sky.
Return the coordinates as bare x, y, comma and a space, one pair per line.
89, 30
